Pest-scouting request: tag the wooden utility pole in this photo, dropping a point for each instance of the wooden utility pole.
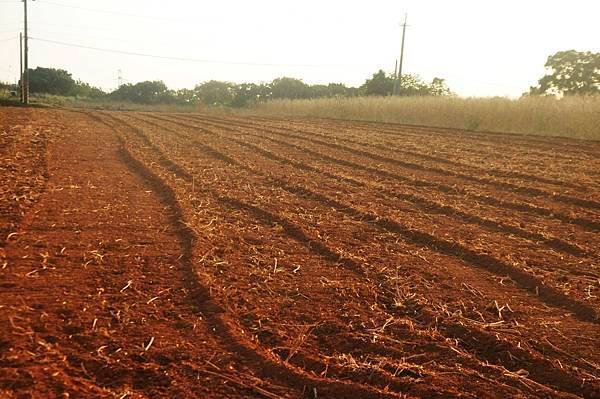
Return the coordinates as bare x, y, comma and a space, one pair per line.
26, 58
21, 66
398, 80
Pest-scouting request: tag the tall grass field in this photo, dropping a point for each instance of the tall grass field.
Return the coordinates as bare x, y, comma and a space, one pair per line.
577, 117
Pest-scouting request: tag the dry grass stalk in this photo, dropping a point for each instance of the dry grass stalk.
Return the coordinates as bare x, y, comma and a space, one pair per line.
577, 117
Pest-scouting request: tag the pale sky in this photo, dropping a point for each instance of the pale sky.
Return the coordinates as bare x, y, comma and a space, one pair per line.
482, 48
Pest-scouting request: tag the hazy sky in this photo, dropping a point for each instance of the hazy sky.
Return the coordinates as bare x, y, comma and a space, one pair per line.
482, 48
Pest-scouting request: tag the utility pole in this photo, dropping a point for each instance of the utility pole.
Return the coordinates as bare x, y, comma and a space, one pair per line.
26, 59
21, 66
25, 75
398, 80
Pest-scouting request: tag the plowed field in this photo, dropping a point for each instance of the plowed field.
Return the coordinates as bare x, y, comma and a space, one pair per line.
199, 256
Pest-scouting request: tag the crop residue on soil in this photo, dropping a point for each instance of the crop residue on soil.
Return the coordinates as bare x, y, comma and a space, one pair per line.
183, 255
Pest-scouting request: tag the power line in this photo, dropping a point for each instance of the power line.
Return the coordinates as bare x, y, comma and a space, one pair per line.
77, 27
203, 61
431, 72
60, 34
54, 32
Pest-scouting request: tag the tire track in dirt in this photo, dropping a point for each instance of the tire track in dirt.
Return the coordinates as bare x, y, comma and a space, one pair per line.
462, 332
264, 364
588, 224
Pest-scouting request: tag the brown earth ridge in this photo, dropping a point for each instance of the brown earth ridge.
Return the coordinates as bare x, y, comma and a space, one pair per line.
151, 255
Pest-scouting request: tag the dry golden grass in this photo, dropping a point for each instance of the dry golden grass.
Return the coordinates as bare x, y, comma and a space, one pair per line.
577, 117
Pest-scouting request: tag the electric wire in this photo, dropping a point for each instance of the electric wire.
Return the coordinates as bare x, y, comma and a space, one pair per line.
197, 60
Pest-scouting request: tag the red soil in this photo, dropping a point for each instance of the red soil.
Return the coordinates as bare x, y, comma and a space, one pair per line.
167, 255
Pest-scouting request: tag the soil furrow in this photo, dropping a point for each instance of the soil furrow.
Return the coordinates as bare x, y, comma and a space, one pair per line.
528, 282
385, 146
213, 256
547, 143
591, 225
328, 254
524, 190
573, 383
419, 201
265, 364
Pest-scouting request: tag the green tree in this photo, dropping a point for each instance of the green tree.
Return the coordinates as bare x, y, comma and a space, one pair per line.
186, 96
215, 92
382, 84
148, 92
83, 89
51, 81
329, 90
250, 93
337, 90
289, 88
318, 91
379, 85
570, 73
413, 85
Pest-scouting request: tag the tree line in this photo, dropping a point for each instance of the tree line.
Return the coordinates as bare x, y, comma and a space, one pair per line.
221, 93
569, 73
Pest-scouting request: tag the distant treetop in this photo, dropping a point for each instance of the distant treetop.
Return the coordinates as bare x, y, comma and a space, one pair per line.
570, 73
